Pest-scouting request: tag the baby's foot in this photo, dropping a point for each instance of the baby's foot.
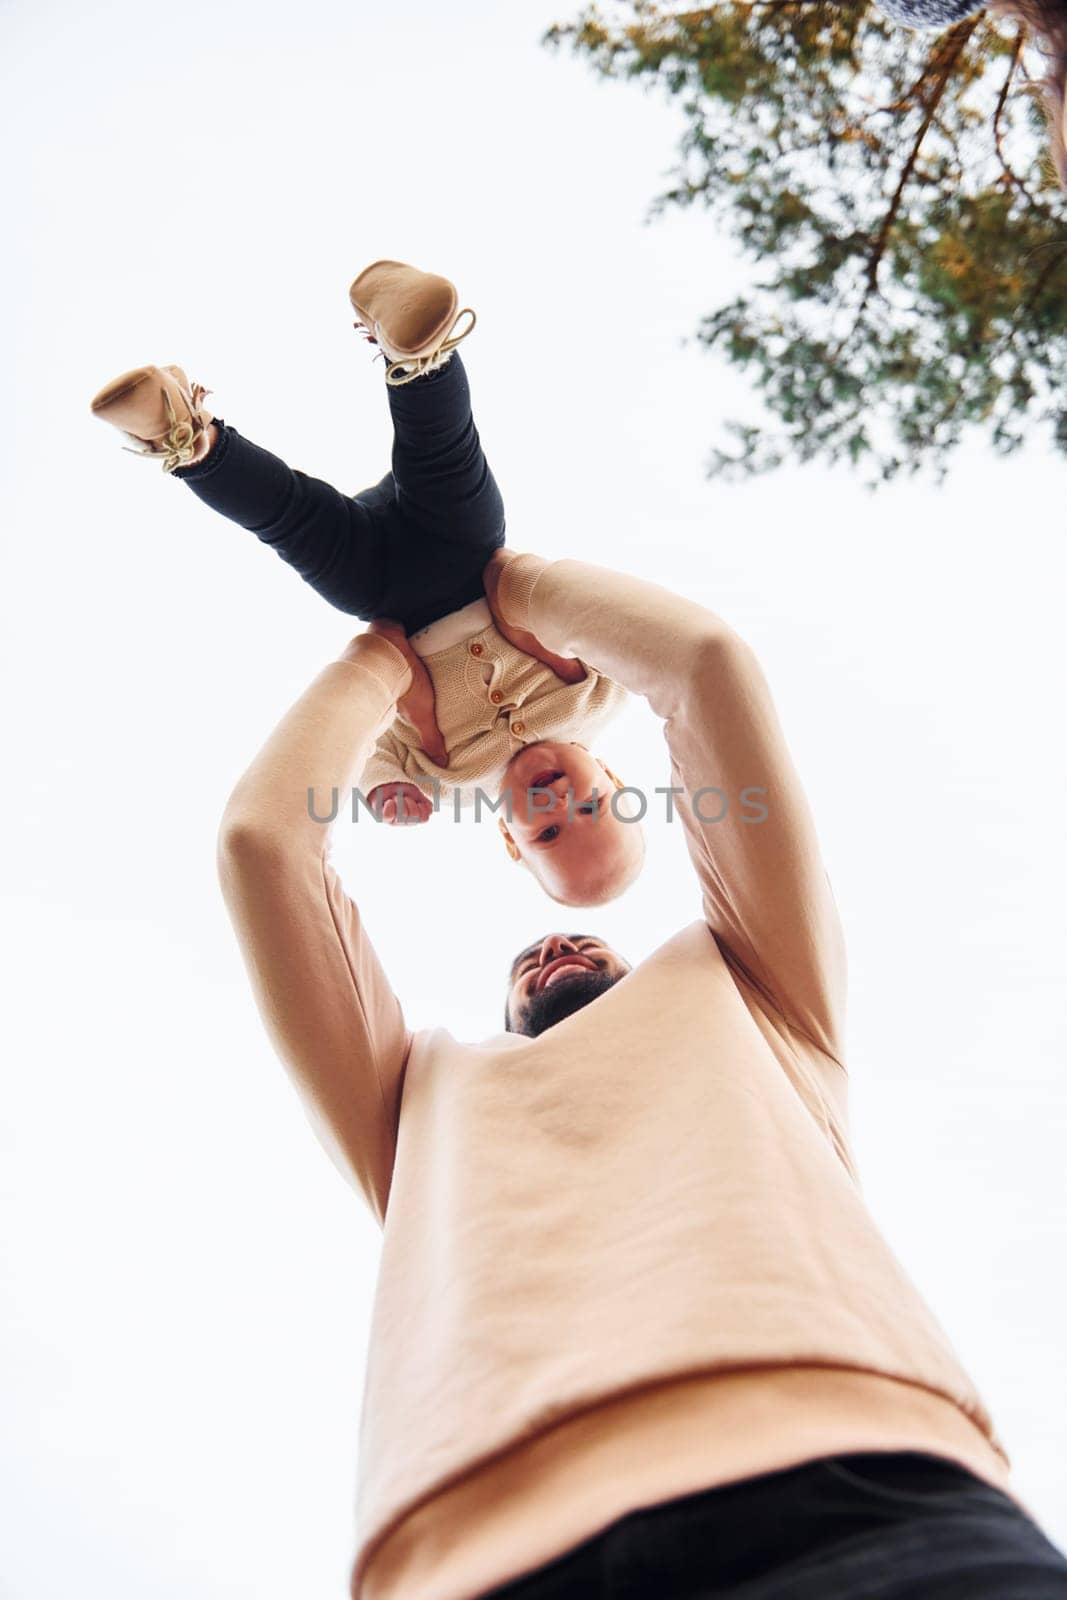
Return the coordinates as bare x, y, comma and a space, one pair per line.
411, 315
160, 410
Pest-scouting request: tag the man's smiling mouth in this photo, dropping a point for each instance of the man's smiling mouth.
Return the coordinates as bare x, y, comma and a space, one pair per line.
560, 967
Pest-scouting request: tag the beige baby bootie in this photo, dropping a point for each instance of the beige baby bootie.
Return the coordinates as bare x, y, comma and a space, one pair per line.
160, 411
412, 316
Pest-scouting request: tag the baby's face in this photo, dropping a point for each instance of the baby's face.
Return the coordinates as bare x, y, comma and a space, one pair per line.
564, 825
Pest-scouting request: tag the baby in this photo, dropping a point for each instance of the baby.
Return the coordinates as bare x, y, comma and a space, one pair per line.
489, 710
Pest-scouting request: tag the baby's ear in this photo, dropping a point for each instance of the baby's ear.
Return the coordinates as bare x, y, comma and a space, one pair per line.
615, 780
512, 848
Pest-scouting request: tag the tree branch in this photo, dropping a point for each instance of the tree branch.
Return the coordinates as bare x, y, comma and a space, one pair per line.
1002, 98
957, 43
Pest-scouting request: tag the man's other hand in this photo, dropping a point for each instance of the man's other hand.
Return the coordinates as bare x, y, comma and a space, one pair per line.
417, 706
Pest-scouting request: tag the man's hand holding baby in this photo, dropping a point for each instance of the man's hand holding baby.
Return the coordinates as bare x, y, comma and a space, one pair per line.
566, 667
417, 704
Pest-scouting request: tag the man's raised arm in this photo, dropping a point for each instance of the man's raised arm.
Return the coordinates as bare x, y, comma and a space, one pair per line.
766, 895
320, 988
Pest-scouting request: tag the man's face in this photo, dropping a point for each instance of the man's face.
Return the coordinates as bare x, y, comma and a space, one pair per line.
556, 976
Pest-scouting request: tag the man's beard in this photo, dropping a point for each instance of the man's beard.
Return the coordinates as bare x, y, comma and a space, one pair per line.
562, 999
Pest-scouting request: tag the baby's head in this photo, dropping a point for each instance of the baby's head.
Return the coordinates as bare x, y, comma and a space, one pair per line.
582, 849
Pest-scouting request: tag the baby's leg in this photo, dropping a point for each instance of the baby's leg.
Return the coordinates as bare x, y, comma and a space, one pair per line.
336, 542
449, 510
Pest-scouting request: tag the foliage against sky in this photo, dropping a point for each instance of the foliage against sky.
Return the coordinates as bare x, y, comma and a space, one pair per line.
893, 191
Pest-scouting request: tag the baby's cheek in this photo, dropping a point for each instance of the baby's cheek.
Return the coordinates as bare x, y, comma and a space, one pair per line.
535, 867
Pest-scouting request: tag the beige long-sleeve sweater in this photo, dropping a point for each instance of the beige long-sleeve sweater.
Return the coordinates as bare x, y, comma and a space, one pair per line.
629, 1259
490, 700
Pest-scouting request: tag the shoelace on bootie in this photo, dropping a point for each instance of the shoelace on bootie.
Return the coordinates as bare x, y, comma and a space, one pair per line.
421, 364
178, 445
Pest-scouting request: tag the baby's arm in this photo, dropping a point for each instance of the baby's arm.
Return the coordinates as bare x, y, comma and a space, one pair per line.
417, 705
386, 787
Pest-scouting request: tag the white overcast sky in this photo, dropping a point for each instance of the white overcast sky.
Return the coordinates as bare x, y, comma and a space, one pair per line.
186, 1281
